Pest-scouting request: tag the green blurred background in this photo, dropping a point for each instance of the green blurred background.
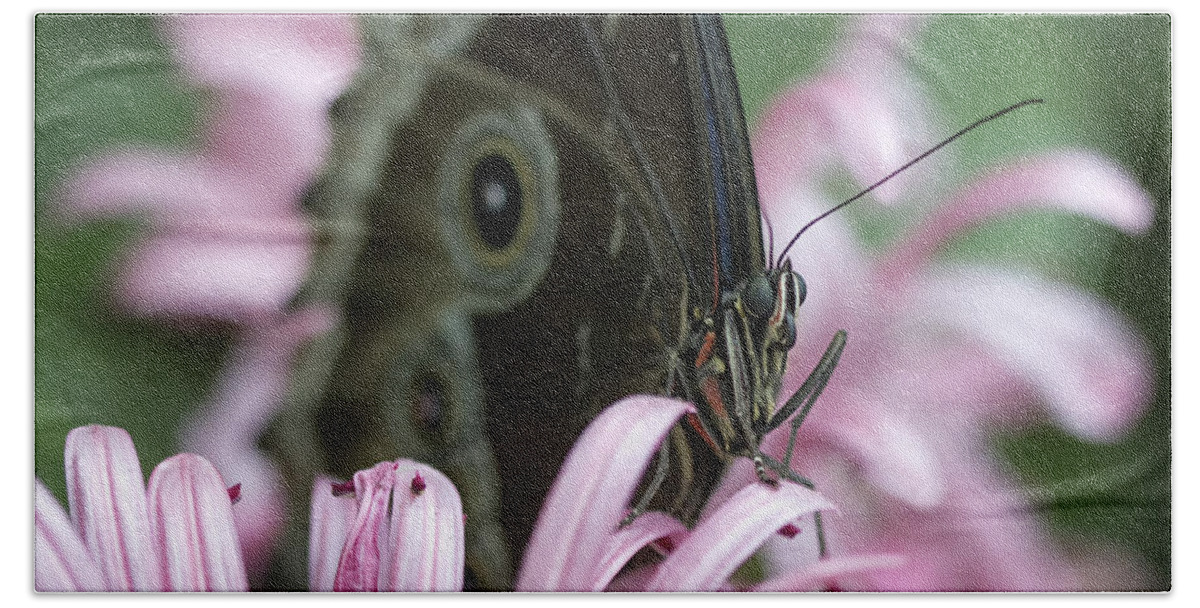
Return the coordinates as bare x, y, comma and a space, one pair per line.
107, 81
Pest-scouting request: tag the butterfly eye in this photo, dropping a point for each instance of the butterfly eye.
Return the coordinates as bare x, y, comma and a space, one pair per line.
499, 203
801, 291
759, 298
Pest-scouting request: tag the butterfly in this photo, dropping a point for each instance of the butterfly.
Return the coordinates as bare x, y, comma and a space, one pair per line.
524, 219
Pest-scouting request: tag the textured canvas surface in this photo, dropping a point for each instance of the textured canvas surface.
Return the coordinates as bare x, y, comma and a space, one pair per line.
414, 303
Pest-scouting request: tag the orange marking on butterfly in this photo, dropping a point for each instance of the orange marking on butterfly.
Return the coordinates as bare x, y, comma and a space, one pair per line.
712, 393
706, 350
694, 420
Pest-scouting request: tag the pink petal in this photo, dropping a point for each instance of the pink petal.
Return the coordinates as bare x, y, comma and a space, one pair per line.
860, 112
162, 182
966, 547
427, 550
726, 538
645, 529
276, 76
235, 280
217, 251
329, 527
108, 507
310, 55
267, 149
817, 577
891, 449
1083, 358
590, 496
833, 267
359, 566
230, 242
61, 561
249, 394
817, 121
192, 518
1075, 181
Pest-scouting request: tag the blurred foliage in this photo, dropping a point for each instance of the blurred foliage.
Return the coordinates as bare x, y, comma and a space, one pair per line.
103, 82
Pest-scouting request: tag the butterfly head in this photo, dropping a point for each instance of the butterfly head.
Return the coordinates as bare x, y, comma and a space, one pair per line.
759, 332
772, 303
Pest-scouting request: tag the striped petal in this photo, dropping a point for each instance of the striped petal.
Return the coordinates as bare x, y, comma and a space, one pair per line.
61, 561
590, 496
730, 534
647, 528
192, 518
108, 507
329, 527
358, 568
427, 549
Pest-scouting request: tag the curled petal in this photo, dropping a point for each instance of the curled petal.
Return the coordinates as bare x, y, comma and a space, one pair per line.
362, 557
647, 528
590, 496
192, 518
729, 535
427, 550
1078, 353
1075, 181
61, 562
108, 507
329, 527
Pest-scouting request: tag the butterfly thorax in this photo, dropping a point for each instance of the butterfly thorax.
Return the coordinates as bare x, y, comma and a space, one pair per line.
734, 357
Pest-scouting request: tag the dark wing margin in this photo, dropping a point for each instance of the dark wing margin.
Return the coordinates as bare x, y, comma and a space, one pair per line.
735, 216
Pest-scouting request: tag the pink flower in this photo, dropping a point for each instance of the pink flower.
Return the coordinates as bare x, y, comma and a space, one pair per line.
177, 536
401, 531
577, 545
939, 354
226, 430
227, 239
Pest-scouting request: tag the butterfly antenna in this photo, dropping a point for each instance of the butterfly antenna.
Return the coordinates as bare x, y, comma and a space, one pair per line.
903, 168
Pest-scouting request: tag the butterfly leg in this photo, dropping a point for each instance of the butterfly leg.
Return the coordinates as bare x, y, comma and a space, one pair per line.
804, 397
787, 473
800, 404
674, 367
660, 474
